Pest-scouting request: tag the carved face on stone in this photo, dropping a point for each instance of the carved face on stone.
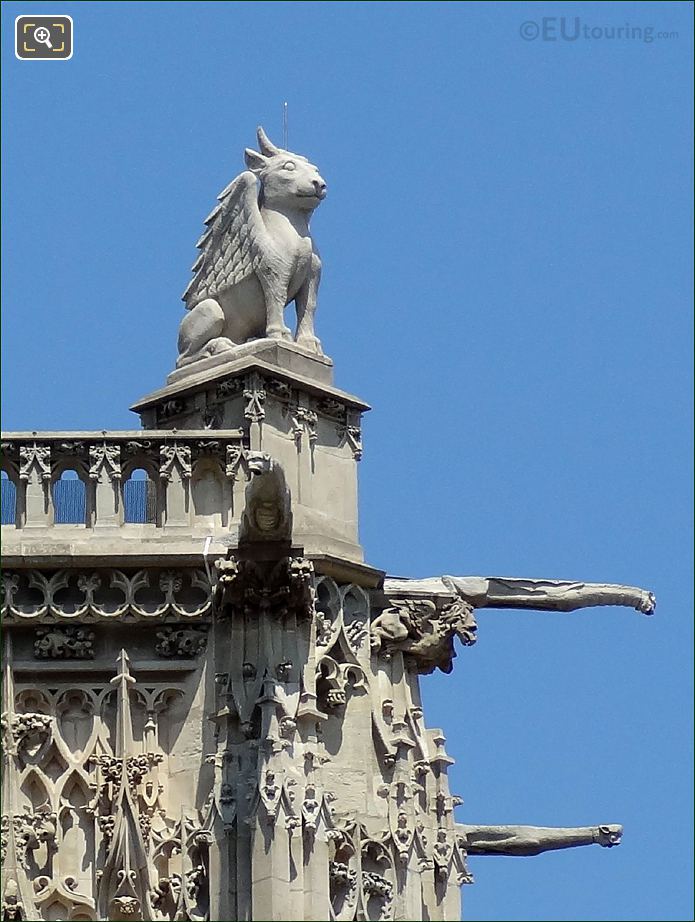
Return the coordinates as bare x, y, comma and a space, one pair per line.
267, 516
288, 181
126, 905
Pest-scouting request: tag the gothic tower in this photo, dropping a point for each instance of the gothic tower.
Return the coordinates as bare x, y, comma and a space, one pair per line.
211, 704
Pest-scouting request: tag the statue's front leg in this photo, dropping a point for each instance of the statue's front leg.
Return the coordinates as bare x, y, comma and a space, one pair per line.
306, 308
274, 287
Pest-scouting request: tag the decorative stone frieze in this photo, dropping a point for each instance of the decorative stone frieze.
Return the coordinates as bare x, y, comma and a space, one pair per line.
74, 595
186, 641
106, 457
63, 643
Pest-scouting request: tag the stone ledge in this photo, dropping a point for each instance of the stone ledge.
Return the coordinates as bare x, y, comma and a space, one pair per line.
199, 382
286, 355
122, 435
97, 667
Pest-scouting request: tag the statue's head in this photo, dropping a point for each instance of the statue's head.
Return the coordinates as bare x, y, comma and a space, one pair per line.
287, 180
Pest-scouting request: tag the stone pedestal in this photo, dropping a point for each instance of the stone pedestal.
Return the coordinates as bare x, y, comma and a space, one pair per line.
282, 399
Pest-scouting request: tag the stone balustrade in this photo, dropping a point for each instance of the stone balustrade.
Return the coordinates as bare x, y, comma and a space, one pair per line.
117, 480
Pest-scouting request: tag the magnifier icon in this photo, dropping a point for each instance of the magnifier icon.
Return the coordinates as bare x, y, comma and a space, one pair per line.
43, 36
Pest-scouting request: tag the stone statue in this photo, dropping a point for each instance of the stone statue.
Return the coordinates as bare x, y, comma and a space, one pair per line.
256, 256
532, 840
540, 594
421, 630
268, 512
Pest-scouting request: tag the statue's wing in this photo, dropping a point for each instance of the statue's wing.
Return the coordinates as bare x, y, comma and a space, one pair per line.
233, 243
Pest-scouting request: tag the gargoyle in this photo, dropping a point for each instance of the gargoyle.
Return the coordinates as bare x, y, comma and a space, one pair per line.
421, 617
511, 592
257, 255
419, 629
533, 840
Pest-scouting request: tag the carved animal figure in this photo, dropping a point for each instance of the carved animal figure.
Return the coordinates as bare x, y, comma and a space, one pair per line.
257, 255
267, 515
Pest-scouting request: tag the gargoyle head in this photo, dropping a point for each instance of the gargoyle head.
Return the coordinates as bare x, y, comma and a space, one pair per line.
609, 835
288, 181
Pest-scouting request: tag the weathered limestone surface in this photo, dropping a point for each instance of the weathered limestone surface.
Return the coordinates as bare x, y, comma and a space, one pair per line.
242, 739
211, 703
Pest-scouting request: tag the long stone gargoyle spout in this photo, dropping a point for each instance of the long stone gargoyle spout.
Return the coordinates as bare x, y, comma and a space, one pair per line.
533, 840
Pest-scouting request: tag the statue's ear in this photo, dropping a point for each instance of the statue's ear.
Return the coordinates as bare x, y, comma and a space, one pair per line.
255, 161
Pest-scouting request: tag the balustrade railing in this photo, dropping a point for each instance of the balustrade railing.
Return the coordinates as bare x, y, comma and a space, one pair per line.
119, 479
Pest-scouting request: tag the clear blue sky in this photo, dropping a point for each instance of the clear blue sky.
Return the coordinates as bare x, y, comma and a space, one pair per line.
507, 278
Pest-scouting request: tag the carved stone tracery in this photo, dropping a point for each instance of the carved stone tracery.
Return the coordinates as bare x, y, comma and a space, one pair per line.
296, 655
98, 800
31, 595
35, 456
106, 457
175, 455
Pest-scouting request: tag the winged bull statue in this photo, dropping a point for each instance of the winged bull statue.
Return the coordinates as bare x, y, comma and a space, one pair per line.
256, 256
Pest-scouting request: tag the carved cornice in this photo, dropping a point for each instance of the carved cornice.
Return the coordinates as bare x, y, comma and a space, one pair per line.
273, 589
303, 406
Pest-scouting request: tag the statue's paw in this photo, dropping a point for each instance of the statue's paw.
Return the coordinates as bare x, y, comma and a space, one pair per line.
212, 347
217, 345
310, 343
279, 333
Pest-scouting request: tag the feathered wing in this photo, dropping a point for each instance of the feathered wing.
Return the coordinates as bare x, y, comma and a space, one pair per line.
232, 246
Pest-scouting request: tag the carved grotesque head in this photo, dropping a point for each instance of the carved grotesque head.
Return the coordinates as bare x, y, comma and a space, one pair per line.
287, 180
126, 907
267, 515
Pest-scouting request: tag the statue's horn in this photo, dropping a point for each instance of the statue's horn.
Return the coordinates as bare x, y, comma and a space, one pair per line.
265, 145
